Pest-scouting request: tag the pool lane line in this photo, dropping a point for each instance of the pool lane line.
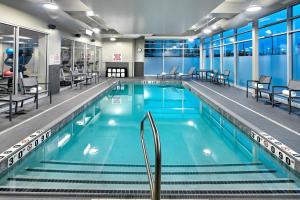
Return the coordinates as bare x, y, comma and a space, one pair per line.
255, 112
37, 115
261, 171
110, 182
136, 165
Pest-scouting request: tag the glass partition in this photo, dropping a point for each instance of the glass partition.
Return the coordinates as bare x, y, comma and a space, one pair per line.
90, 57
228, 61
66, 54
97, 66
79, 56
32, 54
7, 59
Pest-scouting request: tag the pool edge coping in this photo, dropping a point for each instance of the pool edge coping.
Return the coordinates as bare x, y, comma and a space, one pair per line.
35, 139
265, 140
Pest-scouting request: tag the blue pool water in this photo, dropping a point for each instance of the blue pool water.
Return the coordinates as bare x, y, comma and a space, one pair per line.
101, 146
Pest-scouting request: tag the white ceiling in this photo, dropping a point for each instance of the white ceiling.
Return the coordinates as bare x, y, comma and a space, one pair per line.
171, 17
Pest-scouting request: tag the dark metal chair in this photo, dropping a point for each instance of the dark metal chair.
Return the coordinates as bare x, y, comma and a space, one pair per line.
6, 103
260, 86
291, 92
30, 86
224, 77
214, 75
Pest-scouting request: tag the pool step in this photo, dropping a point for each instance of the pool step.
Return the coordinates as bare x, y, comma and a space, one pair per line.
106, 180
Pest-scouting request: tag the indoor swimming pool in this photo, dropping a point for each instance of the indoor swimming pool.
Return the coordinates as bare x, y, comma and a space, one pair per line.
100, 152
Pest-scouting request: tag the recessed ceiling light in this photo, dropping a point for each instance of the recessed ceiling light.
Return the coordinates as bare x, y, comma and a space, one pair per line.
90, 13
50, 5
254, 8
113, 39
96, 30
207, 31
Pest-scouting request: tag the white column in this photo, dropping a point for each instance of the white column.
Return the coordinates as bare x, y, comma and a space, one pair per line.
255, 51
16, 62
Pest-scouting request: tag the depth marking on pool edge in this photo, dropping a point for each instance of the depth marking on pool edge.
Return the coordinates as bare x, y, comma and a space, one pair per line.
271, 120
23, 122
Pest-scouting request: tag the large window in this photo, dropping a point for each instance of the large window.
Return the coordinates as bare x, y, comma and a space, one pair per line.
206, 54
7, 41
244, 48
191, 54
163, 55
216, 52
296, 42
273, 47
228, 53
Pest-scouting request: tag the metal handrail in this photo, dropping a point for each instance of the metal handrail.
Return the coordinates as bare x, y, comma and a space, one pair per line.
154, 186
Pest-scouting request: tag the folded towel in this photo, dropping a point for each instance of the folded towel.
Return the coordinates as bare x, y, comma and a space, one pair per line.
286, 93
260, 86
33, 90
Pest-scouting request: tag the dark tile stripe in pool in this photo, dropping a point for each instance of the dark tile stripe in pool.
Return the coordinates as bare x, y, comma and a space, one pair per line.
142, 173
165, 194
146, 182
134, 165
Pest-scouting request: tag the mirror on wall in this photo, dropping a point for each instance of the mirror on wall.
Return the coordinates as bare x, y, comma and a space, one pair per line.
7, 59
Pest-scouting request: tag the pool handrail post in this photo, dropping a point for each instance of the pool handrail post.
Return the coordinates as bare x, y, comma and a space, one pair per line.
154, 186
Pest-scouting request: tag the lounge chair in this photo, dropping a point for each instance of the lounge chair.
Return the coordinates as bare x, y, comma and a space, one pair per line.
172, 72
291, 92
260, 86
190, 73
224, 77
31, 86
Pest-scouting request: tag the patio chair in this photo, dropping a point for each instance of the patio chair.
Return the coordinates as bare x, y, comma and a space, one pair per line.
260, 86
224, 77
214, 75
190, 73
172, 72
291, 92
5, 103
31, 86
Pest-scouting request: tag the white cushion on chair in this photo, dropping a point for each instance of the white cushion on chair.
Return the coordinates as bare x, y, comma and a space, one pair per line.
221, 77
260, 86
33, 90
286, 93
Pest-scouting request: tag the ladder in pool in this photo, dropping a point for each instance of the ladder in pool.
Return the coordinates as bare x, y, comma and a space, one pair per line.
154, 184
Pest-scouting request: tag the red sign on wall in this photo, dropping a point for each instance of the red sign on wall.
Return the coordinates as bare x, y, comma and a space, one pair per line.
117, 57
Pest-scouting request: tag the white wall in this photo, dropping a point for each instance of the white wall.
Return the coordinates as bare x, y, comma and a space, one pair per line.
123, 46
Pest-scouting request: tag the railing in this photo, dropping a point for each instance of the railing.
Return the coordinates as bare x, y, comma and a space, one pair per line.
154, 185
